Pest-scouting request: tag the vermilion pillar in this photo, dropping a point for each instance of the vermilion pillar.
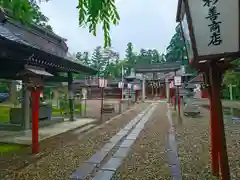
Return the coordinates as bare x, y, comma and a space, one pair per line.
179, 102
35, 116
215, 80
213, 134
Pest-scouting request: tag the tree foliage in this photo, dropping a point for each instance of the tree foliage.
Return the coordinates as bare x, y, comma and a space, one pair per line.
26, 11
93, 13
176, 48
110, 65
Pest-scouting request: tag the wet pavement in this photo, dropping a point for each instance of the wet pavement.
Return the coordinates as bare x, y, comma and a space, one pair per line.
172, 152
104, 163
230, 115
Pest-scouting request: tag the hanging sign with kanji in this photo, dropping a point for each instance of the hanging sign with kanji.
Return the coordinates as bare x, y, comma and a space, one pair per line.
215, 26
120, 85
172, 84
102, 83
136, 87
177, 80
129, 86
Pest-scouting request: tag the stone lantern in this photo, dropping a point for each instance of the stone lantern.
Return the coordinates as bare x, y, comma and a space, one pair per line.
33, 77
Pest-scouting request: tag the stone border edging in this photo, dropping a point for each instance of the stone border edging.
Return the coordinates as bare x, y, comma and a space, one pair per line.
120, 141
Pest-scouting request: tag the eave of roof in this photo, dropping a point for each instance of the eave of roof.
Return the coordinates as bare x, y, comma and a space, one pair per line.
11, 41
178, 18
197, 79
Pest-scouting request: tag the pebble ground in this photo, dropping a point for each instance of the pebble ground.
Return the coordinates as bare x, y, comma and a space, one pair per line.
193, 138
58, 163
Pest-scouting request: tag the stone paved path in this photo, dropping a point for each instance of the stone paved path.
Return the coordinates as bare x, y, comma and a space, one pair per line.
105, 162
153, 155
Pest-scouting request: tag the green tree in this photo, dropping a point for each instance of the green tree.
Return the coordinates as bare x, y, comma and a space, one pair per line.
26, 11
92, 13
97, 60
79, 56
130, 57
100, 12
86, 60
144, 57
176, 49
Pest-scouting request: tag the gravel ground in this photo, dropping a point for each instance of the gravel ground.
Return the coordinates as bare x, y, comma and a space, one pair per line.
194, 144
62, 158
148, 159
94, 105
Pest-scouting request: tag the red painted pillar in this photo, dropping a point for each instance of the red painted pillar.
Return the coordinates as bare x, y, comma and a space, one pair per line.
179, 101
214, 136
215, 79
35, 116
101, 109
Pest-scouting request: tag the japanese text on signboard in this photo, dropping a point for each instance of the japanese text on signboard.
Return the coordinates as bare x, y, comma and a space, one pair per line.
213, 16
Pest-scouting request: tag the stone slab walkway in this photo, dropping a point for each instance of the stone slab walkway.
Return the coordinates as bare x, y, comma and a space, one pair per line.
105, 162
149, 157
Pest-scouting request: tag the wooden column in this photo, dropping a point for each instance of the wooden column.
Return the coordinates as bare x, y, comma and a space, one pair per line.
215, 81
35, 116
213, 131
26, 107
70, 97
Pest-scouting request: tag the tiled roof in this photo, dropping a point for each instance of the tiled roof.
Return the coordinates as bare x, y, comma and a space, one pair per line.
158, 67
197, 79
4, 32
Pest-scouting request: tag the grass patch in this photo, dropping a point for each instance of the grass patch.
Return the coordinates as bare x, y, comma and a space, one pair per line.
56, 111
4, 114
4, 148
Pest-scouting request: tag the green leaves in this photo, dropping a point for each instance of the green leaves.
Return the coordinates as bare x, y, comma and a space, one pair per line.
95, 12
26, 11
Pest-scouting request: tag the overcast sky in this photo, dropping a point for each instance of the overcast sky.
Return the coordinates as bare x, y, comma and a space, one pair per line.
145, 23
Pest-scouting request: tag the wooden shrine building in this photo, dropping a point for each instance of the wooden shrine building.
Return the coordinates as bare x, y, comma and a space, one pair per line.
155, 76
37, 52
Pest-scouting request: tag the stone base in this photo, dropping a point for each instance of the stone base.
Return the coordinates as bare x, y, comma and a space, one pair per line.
18, 127
16, 114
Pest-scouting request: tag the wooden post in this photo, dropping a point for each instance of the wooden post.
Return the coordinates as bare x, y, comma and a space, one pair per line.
80, 108
101, 110
152, 92
35, 115
231, 91
136, 95
179, 101
85, 106
175, 95
213, 132
120, 100
128, 97
70, 97
215, 80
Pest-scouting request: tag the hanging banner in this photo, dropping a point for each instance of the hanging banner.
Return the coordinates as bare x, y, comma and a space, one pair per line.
120, 85
177, 80
102, 83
